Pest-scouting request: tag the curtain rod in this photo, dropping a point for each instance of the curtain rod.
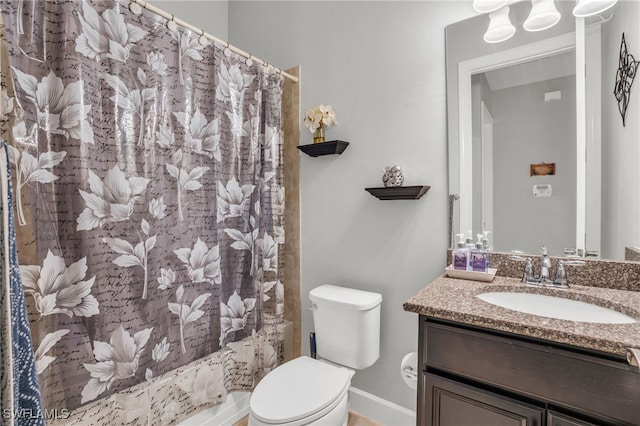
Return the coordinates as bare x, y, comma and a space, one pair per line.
171, 17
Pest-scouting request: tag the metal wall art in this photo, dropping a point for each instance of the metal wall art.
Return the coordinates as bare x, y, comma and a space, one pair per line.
627, 66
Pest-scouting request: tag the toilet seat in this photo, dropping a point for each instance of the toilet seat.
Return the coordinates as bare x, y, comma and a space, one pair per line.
306, 390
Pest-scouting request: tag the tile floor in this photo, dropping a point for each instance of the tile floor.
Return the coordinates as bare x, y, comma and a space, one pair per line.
355, 419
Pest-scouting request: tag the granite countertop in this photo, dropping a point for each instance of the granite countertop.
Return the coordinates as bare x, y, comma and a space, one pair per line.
454, 299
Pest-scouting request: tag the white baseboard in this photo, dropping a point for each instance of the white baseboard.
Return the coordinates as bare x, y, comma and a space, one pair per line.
237, 406
226, 414
380, 410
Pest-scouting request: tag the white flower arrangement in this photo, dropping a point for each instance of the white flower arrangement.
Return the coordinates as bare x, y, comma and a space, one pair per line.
319, 116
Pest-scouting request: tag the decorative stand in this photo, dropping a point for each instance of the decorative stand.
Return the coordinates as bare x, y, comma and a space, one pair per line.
324, 148
399, 192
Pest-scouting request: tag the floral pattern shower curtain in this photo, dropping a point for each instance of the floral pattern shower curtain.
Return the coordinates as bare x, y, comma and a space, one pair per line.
148, 184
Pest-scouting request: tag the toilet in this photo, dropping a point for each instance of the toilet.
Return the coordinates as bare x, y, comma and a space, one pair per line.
308, 391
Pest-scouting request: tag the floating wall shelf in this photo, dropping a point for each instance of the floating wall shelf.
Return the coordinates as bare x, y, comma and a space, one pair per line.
324, 148
399, 192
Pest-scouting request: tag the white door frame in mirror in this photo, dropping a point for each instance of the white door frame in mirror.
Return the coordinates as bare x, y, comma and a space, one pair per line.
487, 168
462, 174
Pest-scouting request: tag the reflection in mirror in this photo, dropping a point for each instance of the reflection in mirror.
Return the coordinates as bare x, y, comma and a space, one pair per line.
540, 127
524, 99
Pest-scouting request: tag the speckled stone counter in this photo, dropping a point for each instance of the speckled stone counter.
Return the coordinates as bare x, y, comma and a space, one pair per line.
454, 299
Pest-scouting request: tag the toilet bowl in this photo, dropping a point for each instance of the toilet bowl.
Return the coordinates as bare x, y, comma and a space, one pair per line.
307, 391
304, 391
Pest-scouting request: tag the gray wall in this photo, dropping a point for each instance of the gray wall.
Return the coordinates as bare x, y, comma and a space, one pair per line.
531, 131
210, 15
381, 66
620, 145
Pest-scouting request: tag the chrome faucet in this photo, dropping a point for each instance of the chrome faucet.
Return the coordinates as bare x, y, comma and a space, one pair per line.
544, 279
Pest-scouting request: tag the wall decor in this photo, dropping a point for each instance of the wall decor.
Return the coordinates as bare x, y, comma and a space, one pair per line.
542, 169
317, 118
625, 75
392, 176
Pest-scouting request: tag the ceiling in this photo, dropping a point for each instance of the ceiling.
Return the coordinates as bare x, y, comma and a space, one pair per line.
548, 68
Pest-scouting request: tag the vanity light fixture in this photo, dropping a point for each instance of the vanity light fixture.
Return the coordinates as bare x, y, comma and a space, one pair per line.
488, 6
500, 27
543, 15
586, 8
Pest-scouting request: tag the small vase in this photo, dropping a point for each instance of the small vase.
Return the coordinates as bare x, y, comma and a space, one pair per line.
318, 135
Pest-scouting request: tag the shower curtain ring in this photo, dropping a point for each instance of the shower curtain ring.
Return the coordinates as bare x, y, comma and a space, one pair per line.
171, 24
227, 51
249, 60
203, 40
135, 7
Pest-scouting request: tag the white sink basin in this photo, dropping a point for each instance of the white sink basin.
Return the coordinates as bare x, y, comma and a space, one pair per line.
556, 307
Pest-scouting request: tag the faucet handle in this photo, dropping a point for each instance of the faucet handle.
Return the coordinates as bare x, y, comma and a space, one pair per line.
592, 253
527, 274
519, 258
561, 274
573, 262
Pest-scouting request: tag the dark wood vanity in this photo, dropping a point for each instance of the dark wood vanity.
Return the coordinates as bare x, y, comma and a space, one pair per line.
476, 376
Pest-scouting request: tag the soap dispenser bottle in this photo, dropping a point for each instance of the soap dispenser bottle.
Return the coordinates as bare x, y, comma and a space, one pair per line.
460, 254
479, 257
470, 248
485, 241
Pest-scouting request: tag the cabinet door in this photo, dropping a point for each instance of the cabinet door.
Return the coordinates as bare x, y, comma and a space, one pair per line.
557, 419
449, 403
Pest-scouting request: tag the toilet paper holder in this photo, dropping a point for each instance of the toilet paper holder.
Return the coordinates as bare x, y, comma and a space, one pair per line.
409, 372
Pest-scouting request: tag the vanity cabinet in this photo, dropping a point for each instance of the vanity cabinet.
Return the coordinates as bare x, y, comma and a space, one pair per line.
481, 377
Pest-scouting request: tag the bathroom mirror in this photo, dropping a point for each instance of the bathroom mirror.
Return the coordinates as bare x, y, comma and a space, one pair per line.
553, 175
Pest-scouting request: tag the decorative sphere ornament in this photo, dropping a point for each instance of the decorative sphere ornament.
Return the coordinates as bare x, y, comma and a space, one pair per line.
392, 176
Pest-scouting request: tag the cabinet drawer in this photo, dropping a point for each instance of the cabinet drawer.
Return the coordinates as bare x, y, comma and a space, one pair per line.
571, 379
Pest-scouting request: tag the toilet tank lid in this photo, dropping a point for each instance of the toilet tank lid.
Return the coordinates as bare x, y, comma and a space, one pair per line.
348, 298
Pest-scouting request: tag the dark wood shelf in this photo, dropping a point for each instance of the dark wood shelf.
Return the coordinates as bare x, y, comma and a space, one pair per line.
324, 148
399, 192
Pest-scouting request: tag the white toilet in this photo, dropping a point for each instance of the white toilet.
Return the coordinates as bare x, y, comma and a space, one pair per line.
307, 391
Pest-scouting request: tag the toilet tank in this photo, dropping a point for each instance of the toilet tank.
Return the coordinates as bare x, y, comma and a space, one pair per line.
347, 325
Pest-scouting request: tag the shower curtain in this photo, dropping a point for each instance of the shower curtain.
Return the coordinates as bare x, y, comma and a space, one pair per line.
149, 202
